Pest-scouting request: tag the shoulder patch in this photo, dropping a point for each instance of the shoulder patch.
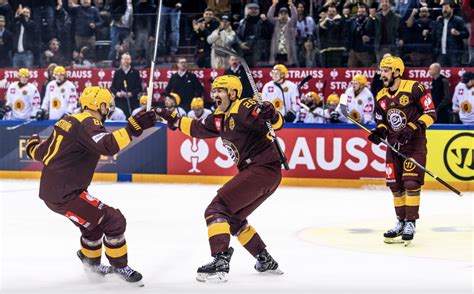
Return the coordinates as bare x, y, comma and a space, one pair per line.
235, 108
406, 85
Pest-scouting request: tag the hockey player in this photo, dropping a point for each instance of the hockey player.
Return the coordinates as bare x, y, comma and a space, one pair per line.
282, 93
22, 98
360, 101
70, 156
332, 112
463, 99
311, 110
404, 110
241, 125
172, 102
143, 101
116, 114
60, 98
197, 109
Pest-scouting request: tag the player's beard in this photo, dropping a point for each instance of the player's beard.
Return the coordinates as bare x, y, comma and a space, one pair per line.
103, 116
390, 83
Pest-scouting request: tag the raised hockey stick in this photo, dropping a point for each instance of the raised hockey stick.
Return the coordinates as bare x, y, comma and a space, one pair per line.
248, 73
303, 82
152, 67
343, 105
20, 125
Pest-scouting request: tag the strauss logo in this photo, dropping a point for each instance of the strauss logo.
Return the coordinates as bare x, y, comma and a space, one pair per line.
194, 151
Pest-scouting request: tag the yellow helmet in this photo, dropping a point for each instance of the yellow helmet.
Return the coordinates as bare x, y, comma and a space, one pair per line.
143, 100
395, 63
59, 70
175, 97
197, 103
228, 82
333, 99
281, 68
23, 72
314, 96
360, 79
92, 97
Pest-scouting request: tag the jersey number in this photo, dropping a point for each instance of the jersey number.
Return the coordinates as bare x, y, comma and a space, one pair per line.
249, 103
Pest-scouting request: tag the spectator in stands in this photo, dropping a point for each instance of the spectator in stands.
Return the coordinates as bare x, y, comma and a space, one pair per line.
219, 7
86, 21
52, 54
360, 35
223, 36
283, 46
7, 11
210, 21
49, 78
468, 9
331, 34
63, 27
24, 38
236, 69
185, 84
251, 34
308, 56
441, 93
83, 59
144, 26
388, 31
405, 7
202, 56
6, 44
305, 26
121, 13
170, 13
419, 38
43, 18
449, 34
126, 85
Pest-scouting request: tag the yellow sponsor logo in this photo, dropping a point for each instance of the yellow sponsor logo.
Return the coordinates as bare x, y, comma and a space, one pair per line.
408, 166
459, 156
404, 100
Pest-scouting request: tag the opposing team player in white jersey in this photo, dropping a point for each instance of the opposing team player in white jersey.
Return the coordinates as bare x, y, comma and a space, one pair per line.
463, 99
22, 98
311, 110
282, 93
360, 101
143, 100
60, 98
197, 109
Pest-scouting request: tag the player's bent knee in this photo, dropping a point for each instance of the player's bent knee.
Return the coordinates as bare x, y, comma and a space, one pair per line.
114, 222
216, 212
397, 190
412, 187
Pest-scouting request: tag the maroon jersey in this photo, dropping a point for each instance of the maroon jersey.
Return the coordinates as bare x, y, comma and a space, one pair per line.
244, 135
410, 103
71, 153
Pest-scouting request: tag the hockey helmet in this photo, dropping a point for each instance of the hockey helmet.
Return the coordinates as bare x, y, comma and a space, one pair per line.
362, 80
393, 62
313, 96
281, 68
175, 97
228, 82
197, 103
333, 99
24, 72
59, 70
143, 100
92, 97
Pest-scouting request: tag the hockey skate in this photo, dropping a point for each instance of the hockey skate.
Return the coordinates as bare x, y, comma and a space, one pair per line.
391, 236
129, 275
408, 232
93, 270
216, 270
266, 264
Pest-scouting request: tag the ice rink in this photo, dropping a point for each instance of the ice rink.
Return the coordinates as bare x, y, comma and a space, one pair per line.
326, 241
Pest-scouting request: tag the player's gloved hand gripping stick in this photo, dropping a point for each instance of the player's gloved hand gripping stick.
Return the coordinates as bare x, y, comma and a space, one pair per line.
381, 137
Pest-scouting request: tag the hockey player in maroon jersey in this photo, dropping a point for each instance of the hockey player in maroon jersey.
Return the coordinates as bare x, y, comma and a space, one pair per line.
70, 156
241, 125
403, 112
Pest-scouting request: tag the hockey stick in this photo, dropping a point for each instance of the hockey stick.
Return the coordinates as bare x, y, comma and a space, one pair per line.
343, 104
152, 67
304, 81
20, 125
248, 73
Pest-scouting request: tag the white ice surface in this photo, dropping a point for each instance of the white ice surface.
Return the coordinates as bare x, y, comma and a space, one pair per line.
167, 241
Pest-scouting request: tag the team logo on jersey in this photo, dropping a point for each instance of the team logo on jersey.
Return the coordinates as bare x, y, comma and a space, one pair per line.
461, 91
19, 105
12, 91
232, 150
218, 123
466, 107
404, 100
390, 171
77, 219
427, 102
383, 104
91, 200
278, 103
231, 123
408, 166
359, 101
56, 103
355, 115
396, 118
24, 92
285, 89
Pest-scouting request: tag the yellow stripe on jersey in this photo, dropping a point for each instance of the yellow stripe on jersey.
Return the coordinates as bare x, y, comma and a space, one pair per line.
116, 252
56, 149
81, 116
91, 253
246, 235
50, 145
276, 126
121, 137
218, 229
235, 106
426, 119
413, 201
382, 126
185, 125
399, 201
33, 151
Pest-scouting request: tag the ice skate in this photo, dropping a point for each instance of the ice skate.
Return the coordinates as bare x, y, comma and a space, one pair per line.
408, 232
391, 236
129, 275
92, 269
217, 270
266, 264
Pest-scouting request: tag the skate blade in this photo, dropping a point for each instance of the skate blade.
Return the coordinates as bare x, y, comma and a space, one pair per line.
220, 277
92, 275
406, 243
115, 276
392, 240
276, 272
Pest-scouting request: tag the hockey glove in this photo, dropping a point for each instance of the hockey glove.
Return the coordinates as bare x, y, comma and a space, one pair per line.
170, 116
268, 112
41, 114
290, 116
4, 110
141, 121
377, 135
411, 129
334, 117
32, 142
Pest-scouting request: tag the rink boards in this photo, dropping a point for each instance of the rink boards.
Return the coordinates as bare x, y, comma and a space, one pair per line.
319, 155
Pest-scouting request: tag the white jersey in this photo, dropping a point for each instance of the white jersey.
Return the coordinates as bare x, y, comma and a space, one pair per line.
24, 101
60, 100
138, 109
463, 102
205, 113
117, 115
360, 107
181, 112
317, 116
284, 97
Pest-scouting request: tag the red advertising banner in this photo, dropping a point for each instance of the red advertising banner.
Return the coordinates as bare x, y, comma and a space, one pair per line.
311, 153
325, 81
